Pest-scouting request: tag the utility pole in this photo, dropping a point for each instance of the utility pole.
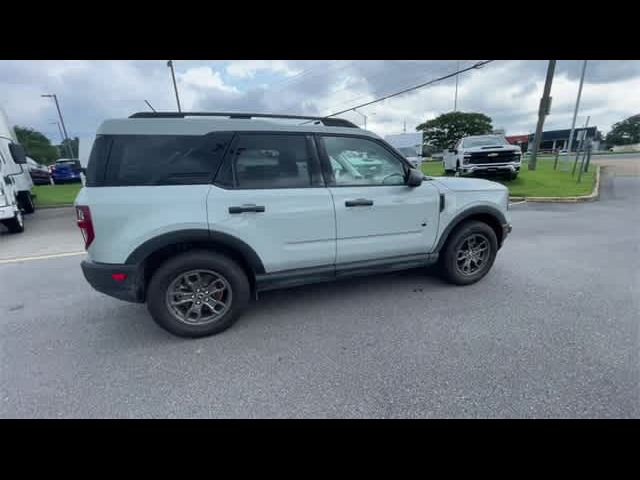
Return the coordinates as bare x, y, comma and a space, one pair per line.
455, 101
543, 111
404, 128
575, 111
64, 128
175, 86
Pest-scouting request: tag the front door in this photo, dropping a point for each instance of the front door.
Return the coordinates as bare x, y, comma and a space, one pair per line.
378, 217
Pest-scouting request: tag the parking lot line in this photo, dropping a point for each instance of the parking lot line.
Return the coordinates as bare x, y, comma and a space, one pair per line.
40, 257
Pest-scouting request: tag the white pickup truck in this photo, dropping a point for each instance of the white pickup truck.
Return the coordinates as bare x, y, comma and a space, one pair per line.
489, 155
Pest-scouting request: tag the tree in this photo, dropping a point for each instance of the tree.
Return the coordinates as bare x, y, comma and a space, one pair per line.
37, 145
448, 128
64, 149
625, 132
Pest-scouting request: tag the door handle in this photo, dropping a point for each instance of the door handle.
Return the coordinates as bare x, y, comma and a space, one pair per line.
247, 208
360, 202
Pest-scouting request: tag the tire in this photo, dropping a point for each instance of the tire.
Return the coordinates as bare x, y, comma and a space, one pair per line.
170, 277
15, 224
449, 264
26, 203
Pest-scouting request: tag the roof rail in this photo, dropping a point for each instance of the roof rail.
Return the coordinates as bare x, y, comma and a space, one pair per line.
328, 122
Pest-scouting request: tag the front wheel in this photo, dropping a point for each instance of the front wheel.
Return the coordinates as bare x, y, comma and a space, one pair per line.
469, 253
198, 293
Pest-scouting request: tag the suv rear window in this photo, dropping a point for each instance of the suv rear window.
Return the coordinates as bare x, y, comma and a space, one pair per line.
136, 160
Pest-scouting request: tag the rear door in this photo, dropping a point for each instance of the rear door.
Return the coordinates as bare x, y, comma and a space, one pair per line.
378, 217
271, 195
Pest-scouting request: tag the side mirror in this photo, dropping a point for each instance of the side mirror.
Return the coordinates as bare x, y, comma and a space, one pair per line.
18, 153
414, 178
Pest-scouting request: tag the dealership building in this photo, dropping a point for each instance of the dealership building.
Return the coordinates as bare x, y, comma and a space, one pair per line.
555, 139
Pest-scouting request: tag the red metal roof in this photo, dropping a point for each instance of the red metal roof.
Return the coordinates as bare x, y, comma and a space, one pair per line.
513, 139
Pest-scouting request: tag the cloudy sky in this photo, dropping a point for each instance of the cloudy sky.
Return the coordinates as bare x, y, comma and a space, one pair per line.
506, 90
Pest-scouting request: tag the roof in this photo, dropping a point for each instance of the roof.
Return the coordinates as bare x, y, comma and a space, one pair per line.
518, 138
564, 133
203, 125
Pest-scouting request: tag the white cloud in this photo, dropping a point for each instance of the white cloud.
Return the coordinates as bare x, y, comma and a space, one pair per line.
507, 91
248, 68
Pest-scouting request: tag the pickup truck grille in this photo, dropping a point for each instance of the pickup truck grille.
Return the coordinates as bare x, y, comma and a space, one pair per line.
501, 157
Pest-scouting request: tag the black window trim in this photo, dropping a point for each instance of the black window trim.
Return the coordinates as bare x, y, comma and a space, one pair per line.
317, 178
327, 170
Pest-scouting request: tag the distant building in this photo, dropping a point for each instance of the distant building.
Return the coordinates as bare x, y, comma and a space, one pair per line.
521, 140
559, 139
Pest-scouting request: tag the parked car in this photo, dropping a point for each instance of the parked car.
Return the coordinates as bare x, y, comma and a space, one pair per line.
66, 170
563, 152
197, 217
39, 173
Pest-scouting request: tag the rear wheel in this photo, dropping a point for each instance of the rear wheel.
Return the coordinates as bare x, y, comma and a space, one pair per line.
25, 202
469, 253
15, 224
198, 293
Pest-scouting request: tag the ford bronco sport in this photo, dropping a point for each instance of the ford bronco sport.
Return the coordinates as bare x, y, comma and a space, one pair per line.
195, 213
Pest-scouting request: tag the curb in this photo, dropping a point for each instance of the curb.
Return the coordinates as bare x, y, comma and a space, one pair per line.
45, 207
593, 196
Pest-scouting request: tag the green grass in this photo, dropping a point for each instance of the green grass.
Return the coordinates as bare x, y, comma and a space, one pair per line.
56, 194
544, 181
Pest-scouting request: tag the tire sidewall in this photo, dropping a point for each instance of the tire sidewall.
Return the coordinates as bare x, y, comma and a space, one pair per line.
172, 268
458, 236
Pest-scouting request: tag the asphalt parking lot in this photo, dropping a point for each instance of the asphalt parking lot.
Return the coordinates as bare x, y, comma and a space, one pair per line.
552, 331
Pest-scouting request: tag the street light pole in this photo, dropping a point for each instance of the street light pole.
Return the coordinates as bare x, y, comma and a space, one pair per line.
455, 101
175, 85
575, 111
543, 111
59, 129
364, 116
64, 128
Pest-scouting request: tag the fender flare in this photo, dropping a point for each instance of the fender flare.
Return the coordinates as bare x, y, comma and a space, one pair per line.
154, 244
462, 216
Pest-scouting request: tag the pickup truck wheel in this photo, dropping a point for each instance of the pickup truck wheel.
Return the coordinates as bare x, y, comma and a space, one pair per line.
26, 202
197, 293
469, 253
15, 224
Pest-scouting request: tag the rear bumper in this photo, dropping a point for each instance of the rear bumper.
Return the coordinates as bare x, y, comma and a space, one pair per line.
99, 276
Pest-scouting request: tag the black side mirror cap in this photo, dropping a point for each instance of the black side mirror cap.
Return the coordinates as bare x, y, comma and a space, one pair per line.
18, 154
414, 178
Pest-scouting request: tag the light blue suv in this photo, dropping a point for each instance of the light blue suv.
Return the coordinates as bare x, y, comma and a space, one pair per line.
195, 213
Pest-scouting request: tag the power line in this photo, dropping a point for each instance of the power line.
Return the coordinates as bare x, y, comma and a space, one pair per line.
409, 76
472, 67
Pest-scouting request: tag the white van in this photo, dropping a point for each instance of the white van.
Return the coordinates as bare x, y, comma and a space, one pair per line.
18, 173
11, 155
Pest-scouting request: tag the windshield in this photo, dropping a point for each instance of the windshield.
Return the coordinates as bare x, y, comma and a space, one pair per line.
484, 141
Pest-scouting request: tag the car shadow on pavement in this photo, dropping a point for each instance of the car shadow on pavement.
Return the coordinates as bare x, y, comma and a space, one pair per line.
134, 327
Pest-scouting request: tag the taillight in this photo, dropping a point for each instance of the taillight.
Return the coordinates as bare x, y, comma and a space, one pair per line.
85, 224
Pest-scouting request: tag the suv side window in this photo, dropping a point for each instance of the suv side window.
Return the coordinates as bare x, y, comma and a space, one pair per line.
359, 161
161, 159
262, 161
